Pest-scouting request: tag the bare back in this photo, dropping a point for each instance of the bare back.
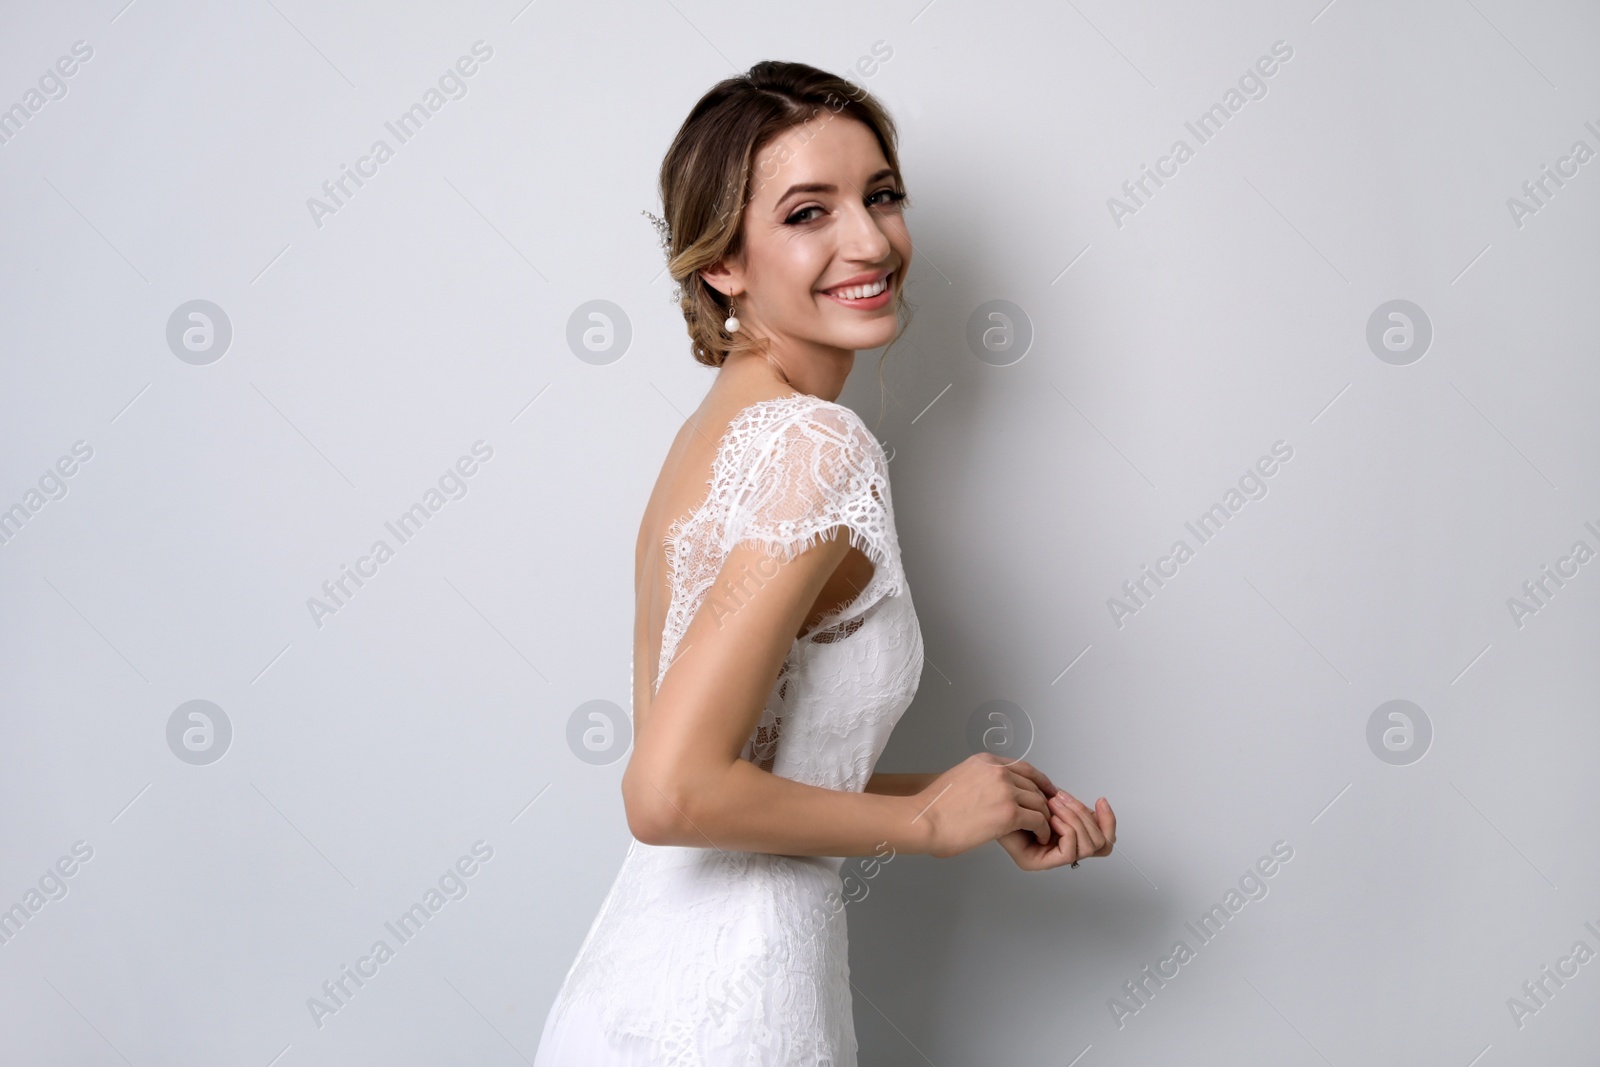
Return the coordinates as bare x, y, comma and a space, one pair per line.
680, 489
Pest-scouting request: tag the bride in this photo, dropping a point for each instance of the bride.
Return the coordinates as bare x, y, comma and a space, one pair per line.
775, 643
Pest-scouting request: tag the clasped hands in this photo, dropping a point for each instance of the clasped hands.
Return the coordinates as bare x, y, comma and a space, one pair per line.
988, 798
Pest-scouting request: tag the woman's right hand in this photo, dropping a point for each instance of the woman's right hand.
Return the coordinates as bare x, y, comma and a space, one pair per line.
981, 799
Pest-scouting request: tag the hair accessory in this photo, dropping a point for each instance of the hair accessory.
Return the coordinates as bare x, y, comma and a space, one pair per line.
662, 228
732, 325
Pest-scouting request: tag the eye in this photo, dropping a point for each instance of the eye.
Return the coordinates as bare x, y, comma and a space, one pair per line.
796, 220
890, 198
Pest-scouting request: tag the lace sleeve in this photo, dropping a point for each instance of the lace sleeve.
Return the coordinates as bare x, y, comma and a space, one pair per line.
817, 471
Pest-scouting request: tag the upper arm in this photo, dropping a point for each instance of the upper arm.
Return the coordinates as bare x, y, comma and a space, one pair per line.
717, 684
803, 503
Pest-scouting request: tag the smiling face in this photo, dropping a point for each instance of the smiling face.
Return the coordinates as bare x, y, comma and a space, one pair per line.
825, 246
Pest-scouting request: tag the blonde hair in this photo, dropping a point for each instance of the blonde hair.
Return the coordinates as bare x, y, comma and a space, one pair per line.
705, 180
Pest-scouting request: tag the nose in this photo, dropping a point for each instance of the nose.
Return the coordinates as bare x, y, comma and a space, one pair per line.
861, 235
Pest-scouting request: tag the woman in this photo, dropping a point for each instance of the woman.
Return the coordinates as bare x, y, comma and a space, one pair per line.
775, 644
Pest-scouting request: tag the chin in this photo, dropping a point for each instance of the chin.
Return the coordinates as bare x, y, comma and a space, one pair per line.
874, 336
874, 333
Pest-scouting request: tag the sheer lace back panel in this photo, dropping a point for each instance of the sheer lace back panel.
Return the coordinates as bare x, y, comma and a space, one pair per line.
787, 471
718, 956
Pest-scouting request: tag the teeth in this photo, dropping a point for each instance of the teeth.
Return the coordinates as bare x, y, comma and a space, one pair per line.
861, 292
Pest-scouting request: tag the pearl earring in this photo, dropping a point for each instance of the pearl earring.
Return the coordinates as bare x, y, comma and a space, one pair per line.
732, 325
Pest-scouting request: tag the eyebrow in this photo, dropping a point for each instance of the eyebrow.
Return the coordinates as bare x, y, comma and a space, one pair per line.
822, 187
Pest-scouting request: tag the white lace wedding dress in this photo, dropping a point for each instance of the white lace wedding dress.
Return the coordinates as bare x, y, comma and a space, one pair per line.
700, 956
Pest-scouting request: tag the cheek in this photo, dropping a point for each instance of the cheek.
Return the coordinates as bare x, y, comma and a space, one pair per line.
798, 275
899, 237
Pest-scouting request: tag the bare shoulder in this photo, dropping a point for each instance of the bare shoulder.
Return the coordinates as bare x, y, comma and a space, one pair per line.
688, 465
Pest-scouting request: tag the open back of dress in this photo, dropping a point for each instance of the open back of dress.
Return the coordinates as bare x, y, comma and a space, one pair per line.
707, 956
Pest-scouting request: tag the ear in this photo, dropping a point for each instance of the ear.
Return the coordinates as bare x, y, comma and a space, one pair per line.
724, 277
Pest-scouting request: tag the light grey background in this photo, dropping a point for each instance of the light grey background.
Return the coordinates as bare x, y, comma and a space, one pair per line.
431, 711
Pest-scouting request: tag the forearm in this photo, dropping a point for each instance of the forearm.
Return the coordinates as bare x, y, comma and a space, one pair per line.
747, 809
899, 785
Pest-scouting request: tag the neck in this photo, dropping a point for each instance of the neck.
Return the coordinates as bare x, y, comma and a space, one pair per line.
820, 372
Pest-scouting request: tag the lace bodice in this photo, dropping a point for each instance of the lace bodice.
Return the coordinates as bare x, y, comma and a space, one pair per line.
725, 957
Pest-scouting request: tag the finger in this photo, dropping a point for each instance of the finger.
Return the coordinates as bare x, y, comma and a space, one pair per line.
1079, 828
1107, 819
1022, 781
1035, 775
1034, 801
1095, 821
1031, 797
1037, 822
1035, 825
1031, 856
1068, 838
1068, 848
1093, 836
1019, 844
1059, 853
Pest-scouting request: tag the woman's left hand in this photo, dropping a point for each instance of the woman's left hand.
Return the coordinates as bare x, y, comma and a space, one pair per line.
1078, 833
